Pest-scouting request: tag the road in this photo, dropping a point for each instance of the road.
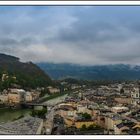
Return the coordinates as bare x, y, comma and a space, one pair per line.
49, 121
50, 115
49, 124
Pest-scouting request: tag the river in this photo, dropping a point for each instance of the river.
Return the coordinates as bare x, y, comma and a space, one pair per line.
56, 100
7, 114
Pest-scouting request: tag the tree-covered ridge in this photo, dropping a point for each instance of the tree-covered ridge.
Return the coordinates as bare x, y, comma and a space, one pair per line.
27, 74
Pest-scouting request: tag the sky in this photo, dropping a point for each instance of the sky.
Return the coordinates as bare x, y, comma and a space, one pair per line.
85, 35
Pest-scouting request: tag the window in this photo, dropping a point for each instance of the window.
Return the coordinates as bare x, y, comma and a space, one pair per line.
137, 95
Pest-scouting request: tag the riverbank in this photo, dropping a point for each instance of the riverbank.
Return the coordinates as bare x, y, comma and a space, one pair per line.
7, 114
54, 101
56, 95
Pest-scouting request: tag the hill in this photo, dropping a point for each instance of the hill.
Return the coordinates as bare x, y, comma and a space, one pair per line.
97, 72
27, 74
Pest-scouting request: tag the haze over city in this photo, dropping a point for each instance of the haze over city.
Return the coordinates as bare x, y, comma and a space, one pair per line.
86, 35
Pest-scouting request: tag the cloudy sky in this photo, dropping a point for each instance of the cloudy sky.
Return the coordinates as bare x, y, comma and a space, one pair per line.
85, 35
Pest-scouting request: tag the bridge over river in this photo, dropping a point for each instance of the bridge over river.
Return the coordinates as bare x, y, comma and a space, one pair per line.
34, 105
47, 104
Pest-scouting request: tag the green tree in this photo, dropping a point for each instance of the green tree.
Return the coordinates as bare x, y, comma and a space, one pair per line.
83, 128
91, 127
86, 116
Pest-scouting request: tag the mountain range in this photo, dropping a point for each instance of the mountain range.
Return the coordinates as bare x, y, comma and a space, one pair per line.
33, 75
96, 72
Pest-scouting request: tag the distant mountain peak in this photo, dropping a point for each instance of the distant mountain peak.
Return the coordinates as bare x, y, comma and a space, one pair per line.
96, 72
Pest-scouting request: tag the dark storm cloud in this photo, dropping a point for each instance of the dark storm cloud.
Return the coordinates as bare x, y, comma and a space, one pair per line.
84, 35
95, 32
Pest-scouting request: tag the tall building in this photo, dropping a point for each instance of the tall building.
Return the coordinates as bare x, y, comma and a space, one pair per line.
135, 96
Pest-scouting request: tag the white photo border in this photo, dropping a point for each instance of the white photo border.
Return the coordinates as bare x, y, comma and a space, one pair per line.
70, 3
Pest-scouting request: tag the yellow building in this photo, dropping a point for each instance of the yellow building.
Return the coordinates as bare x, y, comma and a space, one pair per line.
15, 96
79, 124
107, 122
69, 122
